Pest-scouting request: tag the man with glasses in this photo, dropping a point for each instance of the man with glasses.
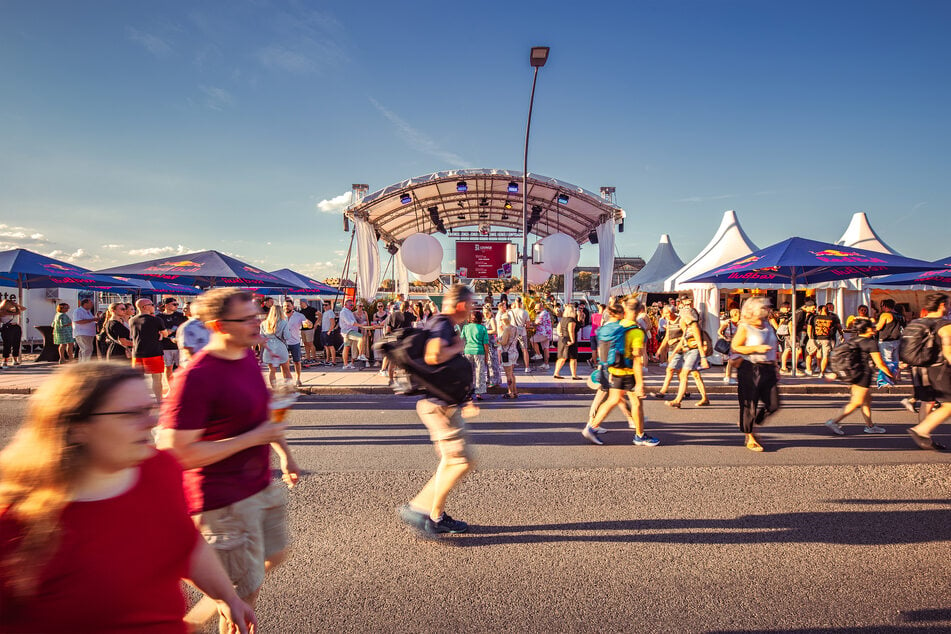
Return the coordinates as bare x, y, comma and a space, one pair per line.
216, 422
172, 320
328, 322
147, 331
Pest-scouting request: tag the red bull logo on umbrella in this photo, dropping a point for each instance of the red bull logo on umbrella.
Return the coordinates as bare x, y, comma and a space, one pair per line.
836, 256
177, 266
741, 264
60, 267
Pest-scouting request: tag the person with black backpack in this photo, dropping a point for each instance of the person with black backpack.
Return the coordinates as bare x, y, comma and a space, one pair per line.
926, 344
443, 419
889, 327
864, 349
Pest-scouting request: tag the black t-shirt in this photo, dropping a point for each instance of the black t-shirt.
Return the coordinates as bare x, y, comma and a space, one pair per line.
867, 345
442, 327
311, 314
172, 322
803, 319
145, 331
116, 330
824, 327
892, 330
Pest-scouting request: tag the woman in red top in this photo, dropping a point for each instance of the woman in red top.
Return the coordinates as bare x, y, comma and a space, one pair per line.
94, 534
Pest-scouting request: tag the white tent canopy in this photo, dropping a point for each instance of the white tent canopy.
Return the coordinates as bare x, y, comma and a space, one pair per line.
847, 295
728, 243
650, 279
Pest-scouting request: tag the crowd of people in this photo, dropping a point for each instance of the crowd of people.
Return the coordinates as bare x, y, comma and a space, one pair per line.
97, 474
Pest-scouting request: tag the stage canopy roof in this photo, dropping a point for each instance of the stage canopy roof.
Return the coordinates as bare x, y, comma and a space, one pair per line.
409, 207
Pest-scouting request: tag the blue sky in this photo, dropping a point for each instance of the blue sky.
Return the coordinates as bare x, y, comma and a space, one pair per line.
132, 130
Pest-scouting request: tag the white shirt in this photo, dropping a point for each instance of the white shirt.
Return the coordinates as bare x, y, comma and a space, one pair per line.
327, 320
192, 334
348, 322
519, 318
294, 322
83, 330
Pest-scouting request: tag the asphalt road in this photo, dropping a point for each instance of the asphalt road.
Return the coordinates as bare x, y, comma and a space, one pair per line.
820, 533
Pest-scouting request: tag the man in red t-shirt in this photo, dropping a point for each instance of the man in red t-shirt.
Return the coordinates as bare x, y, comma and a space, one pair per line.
216, 421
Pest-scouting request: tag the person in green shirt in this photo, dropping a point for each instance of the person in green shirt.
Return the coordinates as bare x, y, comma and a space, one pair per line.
477, 351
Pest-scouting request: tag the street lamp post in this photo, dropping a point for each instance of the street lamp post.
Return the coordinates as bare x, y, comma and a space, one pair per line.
539, 56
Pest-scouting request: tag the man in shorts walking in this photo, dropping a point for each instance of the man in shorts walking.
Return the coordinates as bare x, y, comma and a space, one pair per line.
425, 512
352, 336
147, 332
216, 421
626, 379
938, 375
328, 322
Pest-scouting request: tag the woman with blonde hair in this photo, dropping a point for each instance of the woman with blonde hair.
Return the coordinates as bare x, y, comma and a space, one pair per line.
116, 328
567, 343
755, 350
508, 351
94, 531
274, 351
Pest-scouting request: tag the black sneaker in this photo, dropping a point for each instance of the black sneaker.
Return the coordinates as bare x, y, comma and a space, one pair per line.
446, 525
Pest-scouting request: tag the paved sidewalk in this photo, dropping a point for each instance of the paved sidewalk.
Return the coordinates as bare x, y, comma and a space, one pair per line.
26, 378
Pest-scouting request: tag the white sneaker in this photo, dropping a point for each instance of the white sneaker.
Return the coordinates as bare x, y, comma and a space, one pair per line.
362, 357
726, 380
349, 366
591, 435
546, 367
874, 429
527, 370
536, 357
907, 403
836, 428
383, 373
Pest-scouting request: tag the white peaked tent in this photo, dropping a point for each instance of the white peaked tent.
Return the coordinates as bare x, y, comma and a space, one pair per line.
650, 279
729, 243
847, 295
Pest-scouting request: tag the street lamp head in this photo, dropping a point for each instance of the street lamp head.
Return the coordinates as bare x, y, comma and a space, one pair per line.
539, 56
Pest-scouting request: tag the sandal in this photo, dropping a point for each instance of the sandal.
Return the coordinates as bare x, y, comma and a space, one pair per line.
672, 404
705, 402
925, 442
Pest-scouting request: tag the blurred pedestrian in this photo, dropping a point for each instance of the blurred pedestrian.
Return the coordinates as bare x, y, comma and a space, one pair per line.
63, 332
756, 350
94, 534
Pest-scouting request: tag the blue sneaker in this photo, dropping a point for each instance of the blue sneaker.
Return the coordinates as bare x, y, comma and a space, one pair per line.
645, 441
413, 518
591, 435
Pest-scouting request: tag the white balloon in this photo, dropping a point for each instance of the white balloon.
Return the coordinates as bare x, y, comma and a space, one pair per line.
422, 253
561, 253
427, 277
536, 275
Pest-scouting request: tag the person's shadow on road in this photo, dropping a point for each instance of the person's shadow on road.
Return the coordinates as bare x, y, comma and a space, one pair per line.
826, 527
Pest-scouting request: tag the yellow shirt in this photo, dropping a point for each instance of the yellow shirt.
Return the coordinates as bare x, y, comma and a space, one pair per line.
633, 343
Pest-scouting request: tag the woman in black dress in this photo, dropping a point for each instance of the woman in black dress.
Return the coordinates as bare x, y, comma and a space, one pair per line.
568, 343
117, 333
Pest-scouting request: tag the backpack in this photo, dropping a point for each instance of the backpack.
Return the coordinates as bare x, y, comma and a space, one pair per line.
450, 382
920, 345
612, 338
846, 362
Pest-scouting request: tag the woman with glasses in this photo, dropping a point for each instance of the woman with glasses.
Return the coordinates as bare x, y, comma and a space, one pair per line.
94, 532
116, 328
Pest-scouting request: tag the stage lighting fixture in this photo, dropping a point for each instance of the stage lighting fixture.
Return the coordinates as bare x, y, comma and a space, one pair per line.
513, 187
392, 248
562, 199
536, 209
507, 205
461, 217
505, 216
620, 227
346, 224
406, 199
484, 202
483, 215
461, 186
461, 204
593, 237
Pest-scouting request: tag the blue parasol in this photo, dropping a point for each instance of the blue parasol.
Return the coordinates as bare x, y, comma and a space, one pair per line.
940, 277
206, 269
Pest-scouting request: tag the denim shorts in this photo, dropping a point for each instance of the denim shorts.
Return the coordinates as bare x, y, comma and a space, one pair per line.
294, 350
691, 359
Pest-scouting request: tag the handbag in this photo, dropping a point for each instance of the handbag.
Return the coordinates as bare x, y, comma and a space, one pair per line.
505, 356
722, 346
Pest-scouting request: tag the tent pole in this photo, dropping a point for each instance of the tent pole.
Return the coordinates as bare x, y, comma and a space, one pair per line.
794, 337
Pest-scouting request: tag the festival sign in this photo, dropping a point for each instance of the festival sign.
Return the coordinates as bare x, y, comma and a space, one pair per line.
482, 260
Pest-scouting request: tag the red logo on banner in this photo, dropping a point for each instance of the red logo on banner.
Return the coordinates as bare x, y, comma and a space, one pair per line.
482, 260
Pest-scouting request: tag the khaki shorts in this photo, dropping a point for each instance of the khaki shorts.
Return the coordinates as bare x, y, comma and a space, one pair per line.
247, 533
446, 430
825, 348
307, 336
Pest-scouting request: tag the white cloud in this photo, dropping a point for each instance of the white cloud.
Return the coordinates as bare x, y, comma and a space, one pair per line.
217, 98
336, 204
112, 246
159, 251
152, 43
418, 140
78, 254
